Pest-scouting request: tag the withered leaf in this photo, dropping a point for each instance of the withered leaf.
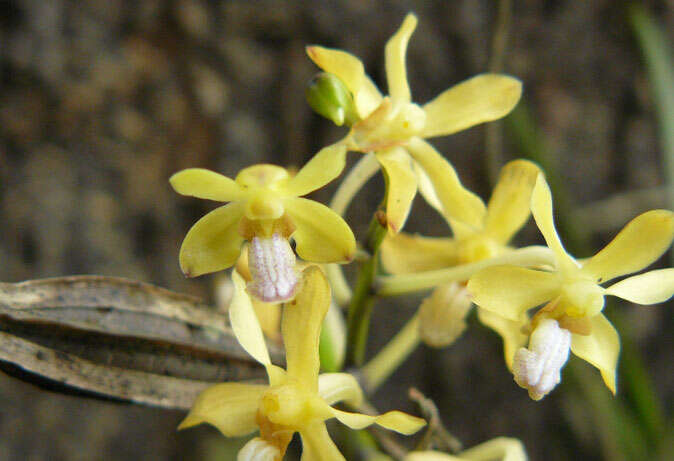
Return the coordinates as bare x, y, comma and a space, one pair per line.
120, 339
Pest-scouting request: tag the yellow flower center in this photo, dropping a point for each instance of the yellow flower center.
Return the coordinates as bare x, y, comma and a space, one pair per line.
289, 405
264, 204
582, 298
476, 248
273, 440
391, 124
263, 184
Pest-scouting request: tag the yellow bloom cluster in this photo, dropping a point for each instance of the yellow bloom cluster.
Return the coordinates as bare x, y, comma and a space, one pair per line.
442, 313
572, 295
266, 209
476, 265
296, 399
393, 128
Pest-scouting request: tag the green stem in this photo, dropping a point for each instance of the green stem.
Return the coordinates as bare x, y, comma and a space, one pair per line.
362, 301
387, 360
494, 130
354, 181
341, 291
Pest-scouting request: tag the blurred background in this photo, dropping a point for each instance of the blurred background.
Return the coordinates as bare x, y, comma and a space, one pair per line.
102, 100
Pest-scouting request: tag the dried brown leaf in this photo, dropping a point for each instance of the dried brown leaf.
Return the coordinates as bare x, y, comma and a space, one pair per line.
119, 339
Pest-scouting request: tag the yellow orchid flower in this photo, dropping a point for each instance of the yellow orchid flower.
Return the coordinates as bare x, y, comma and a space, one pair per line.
296, 399
394, 127
498, 449
507, 211
442, 316
573, 297
266, 209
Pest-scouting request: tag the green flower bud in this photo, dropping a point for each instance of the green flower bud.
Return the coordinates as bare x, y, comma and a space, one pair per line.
328, 96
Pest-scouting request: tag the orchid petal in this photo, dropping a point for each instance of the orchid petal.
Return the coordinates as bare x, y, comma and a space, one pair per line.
457, 202
321, 234
500, 448
206, 184
349, 69
301, 327
396, 49
261, 175
641, 242
269, 316
213, 243
230, 407
480, 99
401, 186
510, 291
245, 323
393, 420
317, 444
509, 207
541, 208
653, 287
509, 330
426, 189
406, 253
325, 166
601, 349
340, 387
263, 205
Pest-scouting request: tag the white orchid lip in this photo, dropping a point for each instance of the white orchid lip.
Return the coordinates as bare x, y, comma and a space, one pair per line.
272, 268
538, 368
258, 449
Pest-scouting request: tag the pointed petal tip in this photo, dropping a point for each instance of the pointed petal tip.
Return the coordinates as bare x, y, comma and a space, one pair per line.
610, 382
188, 272
411, 18
189, 421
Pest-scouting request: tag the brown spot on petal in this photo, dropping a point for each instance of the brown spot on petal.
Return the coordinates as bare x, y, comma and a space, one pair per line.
380, 216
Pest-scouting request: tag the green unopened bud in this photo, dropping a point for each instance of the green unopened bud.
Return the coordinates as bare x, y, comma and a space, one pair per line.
328, 96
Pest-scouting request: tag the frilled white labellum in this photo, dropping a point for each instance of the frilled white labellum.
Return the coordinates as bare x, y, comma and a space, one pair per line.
272, 267
258, 449
539, 367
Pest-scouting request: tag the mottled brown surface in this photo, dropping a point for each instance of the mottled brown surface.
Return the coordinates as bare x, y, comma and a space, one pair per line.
101, 100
